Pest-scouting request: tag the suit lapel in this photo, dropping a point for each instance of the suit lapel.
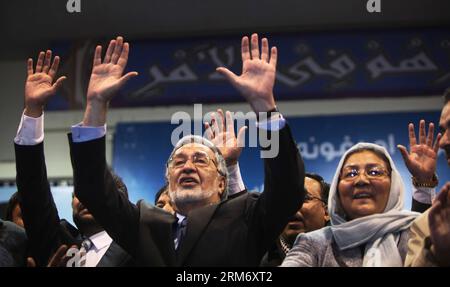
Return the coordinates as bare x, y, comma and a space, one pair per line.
197, 221
115, 256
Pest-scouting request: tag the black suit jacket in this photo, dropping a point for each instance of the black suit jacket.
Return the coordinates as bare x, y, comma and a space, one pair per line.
45, 231
236, 232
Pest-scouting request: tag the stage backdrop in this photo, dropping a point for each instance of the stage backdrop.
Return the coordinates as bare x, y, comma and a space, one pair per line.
315, 65
141, 149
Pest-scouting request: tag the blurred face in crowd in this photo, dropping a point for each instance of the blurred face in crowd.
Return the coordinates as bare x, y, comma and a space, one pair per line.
164, 202
80, 213
17, 216
444, 125
193, 177
313, 214
364, 184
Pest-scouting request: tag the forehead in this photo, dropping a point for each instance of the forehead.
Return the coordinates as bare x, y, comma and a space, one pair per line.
312, 186
363, 158
192, 148
445, 115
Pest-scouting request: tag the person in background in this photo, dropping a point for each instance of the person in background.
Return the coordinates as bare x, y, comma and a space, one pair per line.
45, 231
13, 210
312, 215
430, 232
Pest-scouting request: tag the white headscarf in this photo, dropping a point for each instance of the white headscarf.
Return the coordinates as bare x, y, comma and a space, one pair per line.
379, 232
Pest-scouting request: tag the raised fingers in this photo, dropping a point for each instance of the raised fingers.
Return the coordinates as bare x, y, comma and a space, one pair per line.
430, 135
109, 51
123, 59
54, 68
47, 60
273, 56
98, 55
245, 49
265, 50
436, 143
255, 46
40, 62
230, 123
411, 135
30, 67
117, 50
422, 134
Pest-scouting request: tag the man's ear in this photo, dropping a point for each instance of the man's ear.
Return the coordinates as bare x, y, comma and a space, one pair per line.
326, 216
222, 185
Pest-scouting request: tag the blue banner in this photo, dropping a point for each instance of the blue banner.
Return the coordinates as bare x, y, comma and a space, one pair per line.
314, 65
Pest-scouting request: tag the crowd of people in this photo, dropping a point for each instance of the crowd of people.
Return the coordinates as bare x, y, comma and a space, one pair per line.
204, 215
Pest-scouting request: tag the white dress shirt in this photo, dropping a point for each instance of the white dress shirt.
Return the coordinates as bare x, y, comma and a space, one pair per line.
100, 243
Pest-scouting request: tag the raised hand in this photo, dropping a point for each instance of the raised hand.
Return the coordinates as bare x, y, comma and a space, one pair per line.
439, 223
258, 74
40, 84
422, 157
221, 133
59, 259
106, 80
106, 77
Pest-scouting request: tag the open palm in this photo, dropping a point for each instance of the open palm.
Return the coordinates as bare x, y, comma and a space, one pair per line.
221, 133
258, 74
40, 85
106, 77
422, 158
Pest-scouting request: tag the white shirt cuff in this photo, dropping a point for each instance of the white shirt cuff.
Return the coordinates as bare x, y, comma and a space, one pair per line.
424, 194
235, 182
82, 133
30, 131
274, 123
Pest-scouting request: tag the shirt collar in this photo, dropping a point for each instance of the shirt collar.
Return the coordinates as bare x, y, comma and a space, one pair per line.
101, 240
180, 217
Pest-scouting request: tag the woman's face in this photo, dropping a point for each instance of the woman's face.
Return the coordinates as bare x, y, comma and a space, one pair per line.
364, 184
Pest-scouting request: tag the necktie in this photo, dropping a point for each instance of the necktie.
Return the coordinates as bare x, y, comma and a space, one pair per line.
86, 245
180, 232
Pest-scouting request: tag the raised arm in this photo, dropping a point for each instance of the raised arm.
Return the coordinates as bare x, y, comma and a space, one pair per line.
221, 132
38, 208
284, 172
421, 163
94, 185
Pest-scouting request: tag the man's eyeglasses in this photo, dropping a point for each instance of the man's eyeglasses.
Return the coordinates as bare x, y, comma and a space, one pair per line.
309, 198
371, 172
199, 159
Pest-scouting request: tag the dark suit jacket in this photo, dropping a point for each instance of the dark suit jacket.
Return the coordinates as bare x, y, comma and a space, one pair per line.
13, 244
235, 232
45, 231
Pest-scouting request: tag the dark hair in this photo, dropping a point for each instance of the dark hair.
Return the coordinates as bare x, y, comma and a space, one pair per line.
160, 192
446, 96
119, 184
14, 200
324, 186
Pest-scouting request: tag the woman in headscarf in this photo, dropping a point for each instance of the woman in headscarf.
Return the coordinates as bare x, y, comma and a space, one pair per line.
368, 224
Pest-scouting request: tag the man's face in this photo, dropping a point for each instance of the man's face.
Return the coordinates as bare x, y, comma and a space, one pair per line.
312, 216
193, 176
164, 202
444, 126
80, 212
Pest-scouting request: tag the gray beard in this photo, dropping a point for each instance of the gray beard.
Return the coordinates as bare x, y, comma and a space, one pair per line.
180, 197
